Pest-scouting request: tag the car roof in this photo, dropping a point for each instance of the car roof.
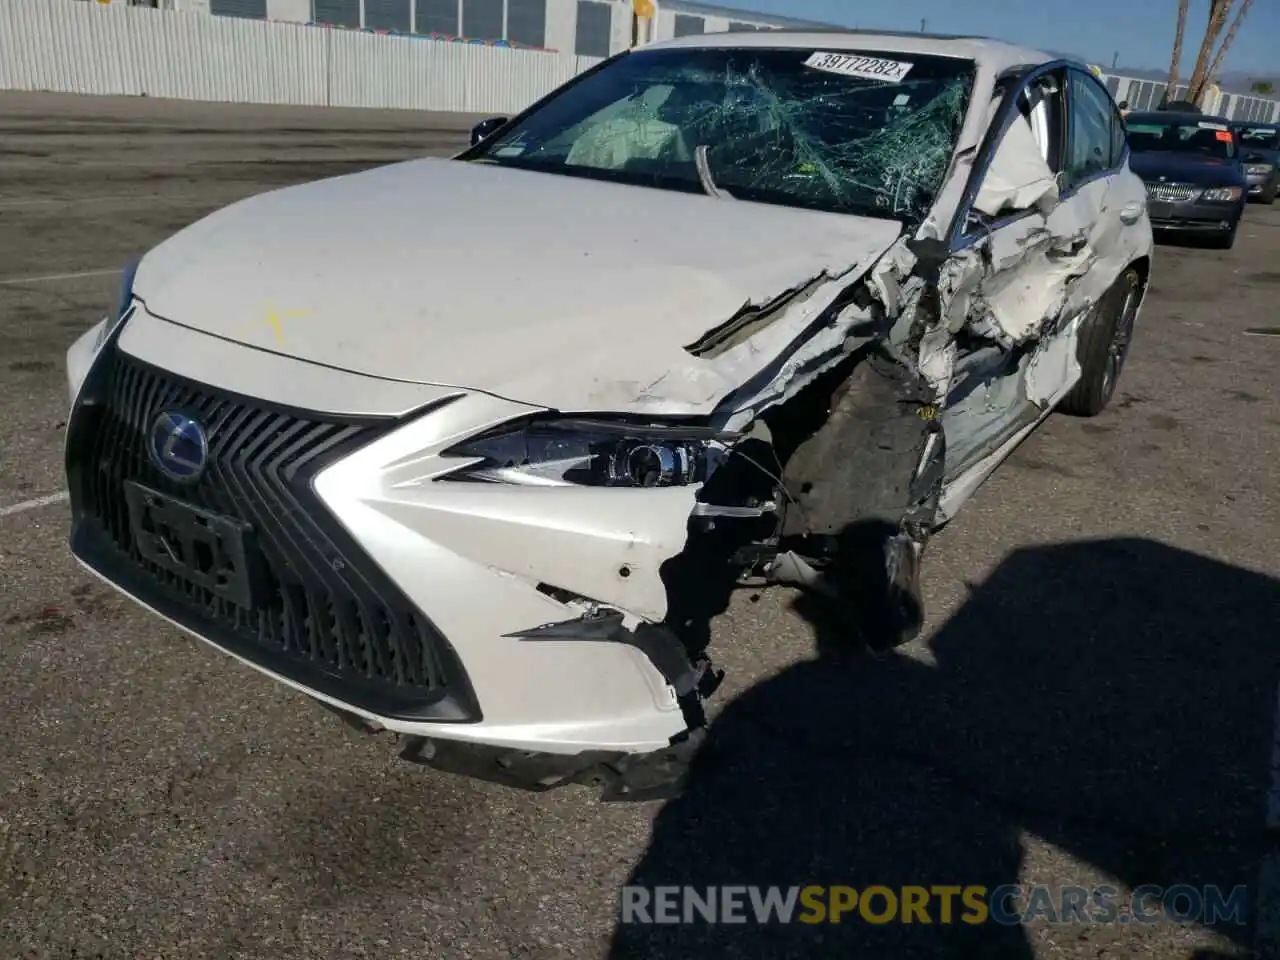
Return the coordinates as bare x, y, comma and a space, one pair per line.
1255, 125
994, 54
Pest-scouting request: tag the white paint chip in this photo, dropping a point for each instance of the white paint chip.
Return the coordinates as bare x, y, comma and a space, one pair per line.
36, 504
852, 65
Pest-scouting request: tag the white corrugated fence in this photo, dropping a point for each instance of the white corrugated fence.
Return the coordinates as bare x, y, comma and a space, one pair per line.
1146, 95
78, 46
71, 46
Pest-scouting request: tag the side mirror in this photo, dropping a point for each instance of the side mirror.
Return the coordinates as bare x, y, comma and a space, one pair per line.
486, 128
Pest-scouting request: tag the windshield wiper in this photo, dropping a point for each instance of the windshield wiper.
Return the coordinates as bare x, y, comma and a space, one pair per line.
704, 175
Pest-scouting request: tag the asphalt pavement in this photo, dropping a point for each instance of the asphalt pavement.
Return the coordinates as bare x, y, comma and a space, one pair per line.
1094, 701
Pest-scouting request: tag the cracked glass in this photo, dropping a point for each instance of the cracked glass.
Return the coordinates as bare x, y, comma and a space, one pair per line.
756, 124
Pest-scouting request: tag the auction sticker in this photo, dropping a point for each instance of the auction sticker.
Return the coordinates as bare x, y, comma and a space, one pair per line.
868, 68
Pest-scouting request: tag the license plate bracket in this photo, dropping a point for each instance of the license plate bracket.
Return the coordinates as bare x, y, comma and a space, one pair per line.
1159, 209
211, 551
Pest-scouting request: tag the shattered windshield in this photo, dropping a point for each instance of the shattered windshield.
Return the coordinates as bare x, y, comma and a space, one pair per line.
1203, 137
864, 133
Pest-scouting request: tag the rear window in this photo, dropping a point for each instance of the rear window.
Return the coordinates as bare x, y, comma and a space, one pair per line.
1204, 137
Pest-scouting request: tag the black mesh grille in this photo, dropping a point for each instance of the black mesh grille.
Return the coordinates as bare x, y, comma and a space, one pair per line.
322, 612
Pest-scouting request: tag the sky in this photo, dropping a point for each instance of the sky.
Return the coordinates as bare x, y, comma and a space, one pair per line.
1139, 31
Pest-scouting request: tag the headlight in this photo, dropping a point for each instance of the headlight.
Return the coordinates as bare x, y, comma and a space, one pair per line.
1221, 193
1258, 170
597, 453
123, 301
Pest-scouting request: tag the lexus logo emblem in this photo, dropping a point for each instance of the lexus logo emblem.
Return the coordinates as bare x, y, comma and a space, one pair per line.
179, 447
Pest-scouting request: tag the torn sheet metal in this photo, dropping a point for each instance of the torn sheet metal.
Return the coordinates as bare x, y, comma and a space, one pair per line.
751, 319
1026, 281
1018, 177
1011, 287
1055, 366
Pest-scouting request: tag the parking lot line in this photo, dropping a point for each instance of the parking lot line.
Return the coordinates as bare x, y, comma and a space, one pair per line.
35, 504
9, 203
20, 203
50, 277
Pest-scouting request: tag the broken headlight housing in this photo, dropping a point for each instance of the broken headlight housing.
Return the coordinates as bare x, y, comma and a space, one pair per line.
1219, 194
596, 453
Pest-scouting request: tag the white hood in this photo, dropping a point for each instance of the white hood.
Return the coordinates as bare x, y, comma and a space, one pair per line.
551, 290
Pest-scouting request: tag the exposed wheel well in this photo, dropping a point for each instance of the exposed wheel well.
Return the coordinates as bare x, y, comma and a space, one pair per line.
1143, 266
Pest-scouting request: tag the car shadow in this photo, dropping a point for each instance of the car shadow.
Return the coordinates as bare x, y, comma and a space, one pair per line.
1115, 698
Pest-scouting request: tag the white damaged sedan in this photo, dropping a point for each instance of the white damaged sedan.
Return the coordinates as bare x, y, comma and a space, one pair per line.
470, 449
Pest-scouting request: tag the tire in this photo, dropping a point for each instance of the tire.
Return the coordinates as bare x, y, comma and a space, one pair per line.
1269, 197
1104, 347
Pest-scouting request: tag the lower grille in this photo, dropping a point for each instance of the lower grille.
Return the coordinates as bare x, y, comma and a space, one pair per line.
321, 612
1171, 192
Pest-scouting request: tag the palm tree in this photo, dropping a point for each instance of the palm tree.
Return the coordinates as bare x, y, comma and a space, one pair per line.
1218, 10
1176, 63
1226, 43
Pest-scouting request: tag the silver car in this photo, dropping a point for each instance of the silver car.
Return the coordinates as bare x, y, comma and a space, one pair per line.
1259, 147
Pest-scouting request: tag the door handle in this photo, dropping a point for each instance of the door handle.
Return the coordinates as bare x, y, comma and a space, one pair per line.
1130, 212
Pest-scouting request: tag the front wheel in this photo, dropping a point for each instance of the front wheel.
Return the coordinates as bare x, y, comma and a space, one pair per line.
1104, 346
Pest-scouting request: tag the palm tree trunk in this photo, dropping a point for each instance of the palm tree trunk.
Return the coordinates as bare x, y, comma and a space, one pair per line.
1218, 10
1226, 43
1176, 63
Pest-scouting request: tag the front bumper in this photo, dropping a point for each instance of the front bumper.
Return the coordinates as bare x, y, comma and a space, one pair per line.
1193, 216
1259, 184
390, 597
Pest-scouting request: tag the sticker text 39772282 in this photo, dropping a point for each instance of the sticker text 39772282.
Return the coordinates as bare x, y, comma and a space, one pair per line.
854, 65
